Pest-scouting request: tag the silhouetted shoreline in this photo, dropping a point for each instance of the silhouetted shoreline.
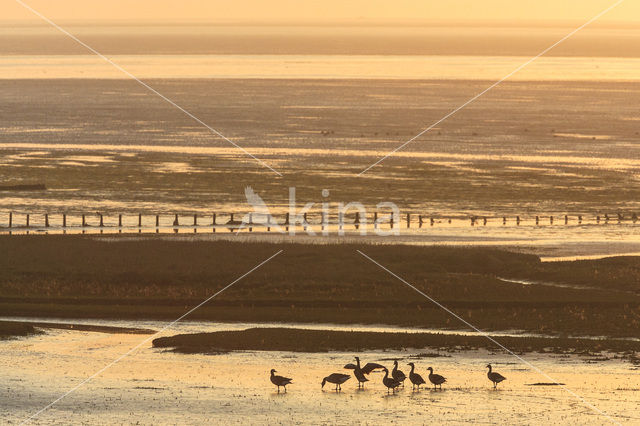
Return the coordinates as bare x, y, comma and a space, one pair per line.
303, 340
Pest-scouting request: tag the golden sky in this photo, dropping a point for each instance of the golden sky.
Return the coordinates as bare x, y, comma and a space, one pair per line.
307, 11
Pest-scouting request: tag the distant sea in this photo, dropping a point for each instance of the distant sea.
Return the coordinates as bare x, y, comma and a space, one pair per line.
408, 67
435, 52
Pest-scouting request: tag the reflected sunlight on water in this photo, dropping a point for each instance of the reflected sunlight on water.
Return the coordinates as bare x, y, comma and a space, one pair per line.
161, 387
322, 66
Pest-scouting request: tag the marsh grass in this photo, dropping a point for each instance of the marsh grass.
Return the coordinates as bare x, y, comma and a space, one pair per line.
89, 277
10, 329
301, 340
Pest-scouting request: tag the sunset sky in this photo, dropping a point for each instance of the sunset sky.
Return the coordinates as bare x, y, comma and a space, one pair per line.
292, 11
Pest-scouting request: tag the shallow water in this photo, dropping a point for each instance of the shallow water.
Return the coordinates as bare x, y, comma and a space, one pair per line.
188, 326
320, 67
527, 148
156, 387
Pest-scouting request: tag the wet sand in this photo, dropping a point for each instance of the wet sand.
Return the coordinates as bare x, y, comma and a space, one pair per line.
154, 386
512, 153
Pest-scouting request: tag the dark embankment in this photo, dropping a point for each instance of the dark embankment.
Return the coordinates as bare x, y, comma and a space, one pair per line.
149, 277
25, 187
301, 340
10, 329
83, 327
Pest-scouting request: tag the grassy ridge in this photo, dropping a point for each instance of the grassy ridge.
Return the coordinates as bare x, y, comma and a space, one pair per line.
10, 329
81, 276
301, 340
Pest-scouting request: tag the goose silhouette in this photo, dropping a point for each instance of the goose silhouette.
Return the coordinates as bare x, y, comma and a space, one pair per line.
495, 377
436, 379
397, 374
415, 378
280, 380
337, 379
389, 382
360, 373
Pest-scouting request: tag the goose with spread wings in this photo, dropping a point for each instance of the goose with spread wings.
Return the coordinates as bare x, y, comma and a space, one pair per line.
361, 372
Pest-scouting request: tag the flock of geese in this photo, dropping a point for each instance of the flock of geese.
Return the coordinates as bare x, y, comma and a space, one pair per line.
392, 382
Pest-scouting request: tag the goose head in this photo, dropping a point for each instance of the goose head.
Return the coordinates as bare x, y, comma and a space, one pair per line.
430, 369
272, 371
410, 364
324, 381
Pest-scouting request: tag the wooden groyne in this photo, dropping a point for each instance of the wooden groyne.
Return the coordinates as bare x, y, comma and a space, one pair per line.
319, 221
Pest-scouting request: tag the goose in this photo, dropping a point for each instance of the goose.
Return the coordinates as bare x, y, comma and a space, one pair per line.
415, 378
361, 373
389, 382
495, 377
397, 374
337, 379
436, 379
280, 381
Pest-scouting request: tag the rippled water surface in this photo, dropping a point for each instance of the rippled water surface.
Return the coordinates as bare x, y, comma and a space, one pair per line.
156, 387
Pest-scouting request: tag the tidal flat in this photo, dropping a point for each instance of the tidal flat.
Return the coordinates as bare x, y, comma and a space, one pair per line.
571, 321
153, 385
526, 148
